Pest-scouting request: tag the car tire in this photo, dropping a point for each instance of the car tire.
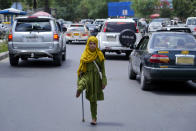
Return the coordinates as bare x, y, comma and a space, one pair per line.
132, 75
13, 60
64, 55
24, 59
145, 84
128, 54
127, 37
58, 59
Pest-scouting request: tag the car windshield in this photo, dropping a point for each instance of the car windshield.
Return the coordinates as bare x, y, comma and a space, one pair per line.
155, 24
119, 26
25, 26
173, 41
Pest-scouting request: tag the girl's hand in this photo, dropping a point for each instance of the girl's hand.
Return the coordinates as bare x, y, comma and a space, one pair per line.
103, 86
77, 93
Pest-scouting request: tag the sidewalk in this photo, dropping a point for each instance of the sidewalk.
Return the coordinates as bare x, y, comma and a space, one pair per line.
3, 55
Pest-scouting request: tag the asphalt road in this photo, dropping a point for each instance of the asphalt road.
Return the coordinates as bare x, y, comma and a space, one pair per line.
37, 96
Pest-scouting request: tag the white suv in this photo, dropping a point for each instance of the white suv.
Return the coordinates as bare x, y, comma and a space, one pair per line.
118, 35
35, 37
191, 23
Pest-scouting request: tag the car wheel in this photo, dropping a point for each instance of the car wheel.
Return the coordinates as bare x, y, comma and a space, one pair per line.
64, 55
13, 60
24, 58
145, 84
132, 75
127, 54
58, 59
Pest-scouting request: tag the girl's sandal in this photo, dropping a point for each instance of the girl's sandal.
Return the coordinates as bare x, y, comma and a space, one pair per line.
93, 123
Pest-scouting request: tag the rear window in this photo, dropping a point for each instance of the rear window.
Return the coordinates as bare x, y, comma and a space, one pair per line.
37, 26
119, 26
76, 29
191, 22
173, 41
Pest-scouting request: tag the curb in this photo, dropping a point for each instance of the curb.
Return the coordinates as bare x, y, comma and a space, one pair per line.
3, 55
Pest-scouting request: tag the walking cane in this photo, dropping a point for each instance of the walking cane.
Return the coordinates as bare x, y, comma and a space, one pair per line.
82, 108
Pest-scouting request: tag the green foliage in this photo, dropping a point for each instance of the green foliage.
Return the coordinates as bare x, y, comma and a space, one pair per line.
165, 11
78, 9
143, 8
5, 4
4, 46
183, 8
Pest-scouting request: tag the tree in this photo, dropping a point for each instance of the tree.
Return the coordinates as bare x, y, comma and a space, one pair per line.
165, 10
5, 4
143, 8
182, 8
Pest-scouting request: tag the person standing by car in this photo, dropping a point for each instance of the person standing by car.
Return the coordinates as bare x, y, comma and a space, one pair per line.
91, 75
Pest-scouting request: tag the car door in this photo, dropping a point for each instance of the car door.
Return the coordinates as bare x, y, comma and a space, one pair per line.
141, 49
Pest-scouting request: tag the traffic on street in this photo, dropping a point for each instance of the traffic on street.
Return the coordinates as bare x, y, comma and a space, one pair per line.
104, 66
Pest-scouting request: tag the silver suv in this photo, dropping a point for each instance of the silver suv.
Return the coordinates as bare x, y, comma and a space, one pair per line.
118, 35
35, 37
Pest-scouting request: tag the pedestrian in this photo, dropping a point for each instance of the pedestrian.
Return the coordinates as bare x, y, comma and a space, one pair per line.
91, 75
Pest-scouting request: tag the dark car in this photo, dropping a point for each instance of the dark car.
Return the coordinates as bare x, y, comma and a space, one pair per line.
163, 56
93, 29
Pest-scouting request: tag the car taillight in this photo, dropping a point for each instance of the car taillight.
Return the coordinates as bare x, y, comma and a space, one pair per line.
159, 59
195, 29
56, 37
68, 34
10, 37
104, 30
137, 30
84, 34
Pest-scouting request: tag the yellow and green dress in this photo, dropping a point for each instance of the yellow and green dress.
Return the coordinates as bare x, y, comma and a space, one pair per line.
89, 78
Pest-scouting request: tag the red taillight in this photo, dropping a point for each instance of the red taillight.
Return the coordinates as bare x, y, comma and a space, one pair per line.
195, 29
68, 34
10, 37
84, 34
104, 30
159, 59
137, 30
56, 37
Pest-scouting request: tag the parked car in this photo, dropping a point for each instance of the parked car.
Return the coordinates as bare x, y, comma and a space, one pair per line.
163, 56
118, 35
35, 37
191, 23
77, 33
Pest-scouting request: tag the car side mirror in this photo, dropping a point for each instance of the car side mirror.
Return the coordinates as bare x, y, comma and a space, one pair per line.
64, 29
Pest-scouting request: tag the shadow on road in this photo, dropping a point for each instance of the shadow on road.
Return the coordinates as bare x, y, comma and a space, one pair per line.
40, 63
112, 56
173, 88
111, 124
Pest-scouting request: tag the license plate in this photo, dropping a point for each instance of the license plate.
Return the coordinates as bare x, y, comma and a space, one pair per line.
111, 38
76, 34
185, 59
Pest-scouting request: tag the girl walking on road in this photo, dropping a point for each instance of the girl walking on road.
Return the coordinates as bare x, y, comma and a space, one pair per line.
91, 75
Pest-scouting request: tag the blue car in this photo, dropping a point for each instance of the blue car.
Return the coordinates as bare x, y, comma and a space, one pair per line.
163, 56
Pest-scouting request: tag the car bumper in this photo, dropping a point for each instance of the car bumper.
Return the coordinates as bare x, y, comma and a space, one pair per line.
116, 49
34, 53
152, 73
